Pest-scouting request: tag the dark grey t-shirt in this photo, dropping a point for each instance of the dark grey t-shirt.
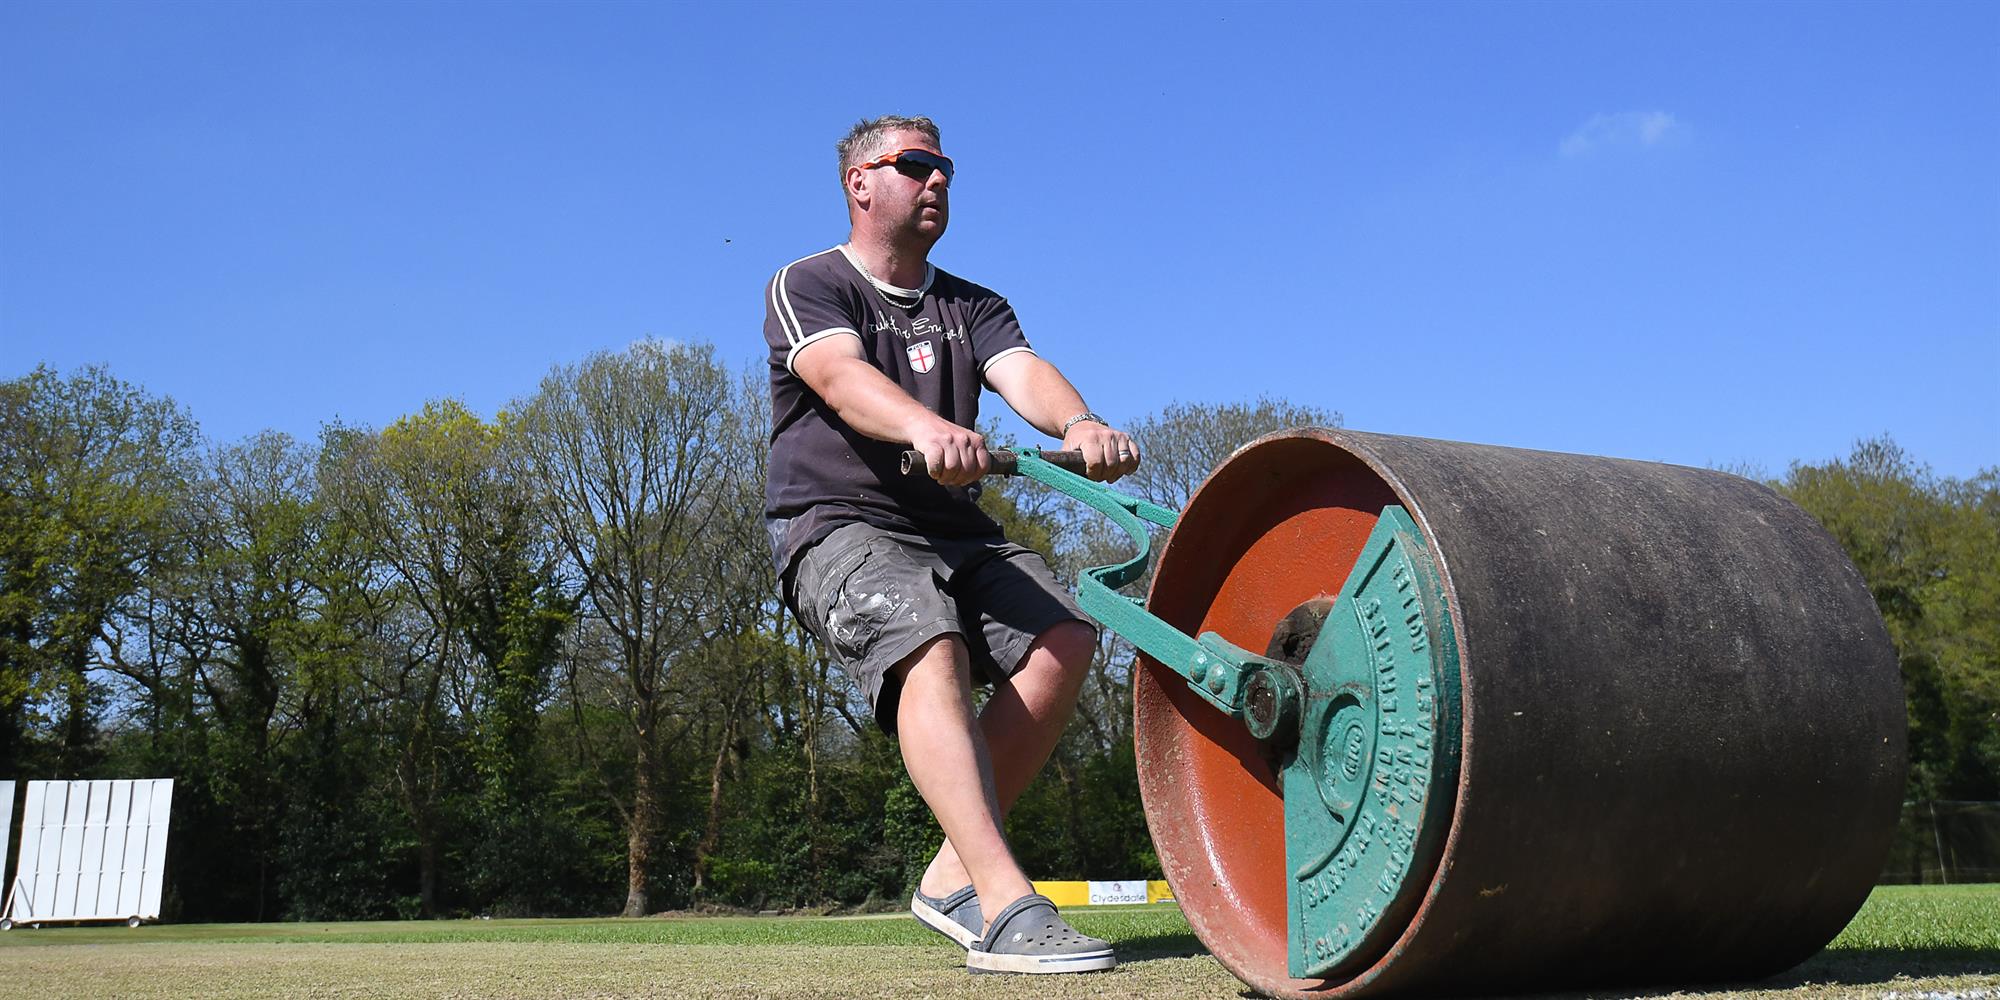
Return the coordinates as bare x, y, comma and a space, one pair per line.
936, 342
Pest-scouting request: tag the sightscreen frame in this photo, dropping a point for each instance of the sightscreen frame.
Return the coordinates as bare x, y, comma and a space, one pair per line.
91, 850
6, 826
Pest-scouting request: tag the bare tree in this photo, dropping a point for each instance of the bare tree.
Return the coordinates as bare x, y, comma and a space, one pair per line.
632, 454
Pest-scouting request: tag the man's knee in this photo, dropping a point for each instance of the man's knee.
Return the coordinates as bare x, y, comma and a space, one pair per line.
1071, 645
939, 671
938, 657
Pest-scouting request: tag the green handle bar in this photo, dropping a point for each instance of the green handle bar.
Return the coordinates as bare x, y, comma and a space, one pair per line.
1212, 666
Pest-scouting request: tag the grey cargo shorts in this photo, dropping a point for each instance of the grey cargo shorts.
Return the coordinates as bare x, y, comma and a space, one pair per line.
873, 596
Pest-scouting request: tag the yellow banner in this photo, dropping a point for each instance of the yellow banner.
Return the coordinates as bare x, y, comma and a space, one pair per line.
1064, 893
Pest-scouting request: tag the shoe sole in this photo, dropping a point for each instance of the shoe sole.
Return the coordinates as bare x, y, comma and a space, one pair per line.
931, 917
986, 963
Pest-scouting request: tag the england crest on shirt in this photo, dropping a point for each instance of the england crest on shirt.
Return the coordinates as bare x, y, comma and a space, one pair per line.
922, 357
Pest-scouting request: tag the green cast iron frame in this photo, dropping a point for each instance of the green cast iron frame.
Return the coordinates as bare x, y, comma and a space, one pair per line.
1214, 667
1363, 732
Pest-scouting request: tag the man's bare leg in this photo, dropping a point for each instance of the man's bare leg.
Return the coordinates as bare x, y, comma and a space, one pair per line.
947, 758
1022, 723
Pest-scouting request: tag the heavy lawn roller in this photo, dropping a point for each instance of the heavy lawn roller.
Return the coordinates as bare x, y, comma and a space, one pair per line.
1418, 716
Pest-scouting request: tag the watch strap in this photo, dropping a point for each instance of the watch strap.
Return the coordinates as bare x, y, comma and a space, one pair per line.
1080, 418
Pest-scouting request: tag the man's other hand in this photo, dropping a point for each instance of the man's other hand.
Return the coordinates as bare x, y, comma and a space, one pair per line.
1109, 454
955, 456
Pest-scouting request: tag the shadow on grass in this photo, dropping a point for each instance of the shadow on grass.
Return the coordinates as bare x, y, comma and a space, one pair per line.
1146, 947
1856, 966
1845, 967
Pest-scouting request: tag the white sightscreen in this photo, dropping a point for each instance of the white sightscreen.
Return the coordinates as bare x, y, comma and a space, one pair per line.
91, 850
6, 826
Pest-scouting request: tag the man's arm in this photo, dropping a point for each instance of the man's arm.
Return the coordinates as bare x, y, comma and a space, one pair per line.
1044, 398
866, 400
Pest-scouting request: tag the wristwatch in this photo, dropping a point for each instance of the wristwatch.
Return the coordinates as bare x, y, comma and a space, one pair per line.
1080, 418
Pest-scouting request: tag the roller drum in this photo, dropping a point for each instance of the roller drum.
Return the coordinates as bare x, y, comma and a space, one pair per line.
1681, 727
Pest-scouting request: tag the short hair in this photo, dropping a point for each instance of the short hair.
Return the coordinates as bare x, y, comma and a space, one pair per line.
864, 139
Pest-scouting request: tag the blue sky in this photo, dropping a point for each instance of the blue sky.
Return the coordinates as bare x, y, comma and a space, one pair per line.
1696, 233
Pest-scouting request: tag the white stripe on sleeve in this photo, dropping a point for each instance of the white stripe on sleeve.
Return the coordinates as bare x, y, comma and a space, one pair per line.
777, 310
990, 362
781, 302
814, 339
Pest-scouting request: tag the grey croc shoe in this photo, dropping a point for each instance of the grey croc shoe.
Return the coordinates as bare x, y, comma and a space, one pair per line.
1030, 936
955, 916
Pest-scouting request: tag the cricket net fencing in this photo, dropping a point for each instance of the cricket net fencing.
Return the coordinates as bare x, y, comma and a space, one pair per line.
1945, 843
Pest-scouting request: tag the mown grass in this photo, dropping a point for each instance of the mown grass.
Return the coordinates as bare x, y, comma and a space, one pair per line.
1926, 918
1902, 918
1912, 941
1159, 922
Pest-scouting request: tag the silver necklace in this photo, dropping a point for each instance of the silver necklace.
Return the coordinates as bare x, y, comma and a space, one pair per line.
877, 283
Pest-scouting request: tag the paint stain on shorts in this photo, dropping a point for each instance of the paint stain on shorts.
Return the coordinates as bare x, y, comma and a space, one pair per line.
856, 620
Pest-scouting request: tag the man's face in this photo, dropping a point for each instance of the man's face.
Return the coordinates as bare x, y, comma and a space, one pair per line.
905, 197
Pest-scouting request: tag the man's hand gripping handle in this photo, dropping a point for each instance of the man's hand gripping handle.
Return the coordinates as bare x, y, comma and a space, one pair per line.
1000, 462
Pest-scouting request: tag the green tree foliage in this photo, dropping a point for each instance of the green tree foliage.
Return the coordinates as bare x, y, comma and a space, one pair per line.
91, 471
344, 849
1930, 550
794, 839
437, 499
241, 608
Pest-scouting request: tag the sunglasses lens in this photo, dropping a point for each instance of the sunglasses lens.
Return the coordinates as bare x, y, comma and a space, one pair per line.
918, 164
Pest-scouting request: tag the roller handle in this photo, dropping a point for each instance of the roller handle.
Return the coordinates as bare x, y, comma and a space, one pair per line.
1001, 462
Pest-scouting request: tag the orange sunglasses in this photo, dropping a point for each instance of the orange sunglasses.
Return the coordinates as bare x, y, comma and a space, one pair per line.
916, 164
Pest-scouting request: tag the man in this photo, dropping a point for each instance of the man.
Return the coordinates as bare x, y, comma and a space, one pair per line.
909, 586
